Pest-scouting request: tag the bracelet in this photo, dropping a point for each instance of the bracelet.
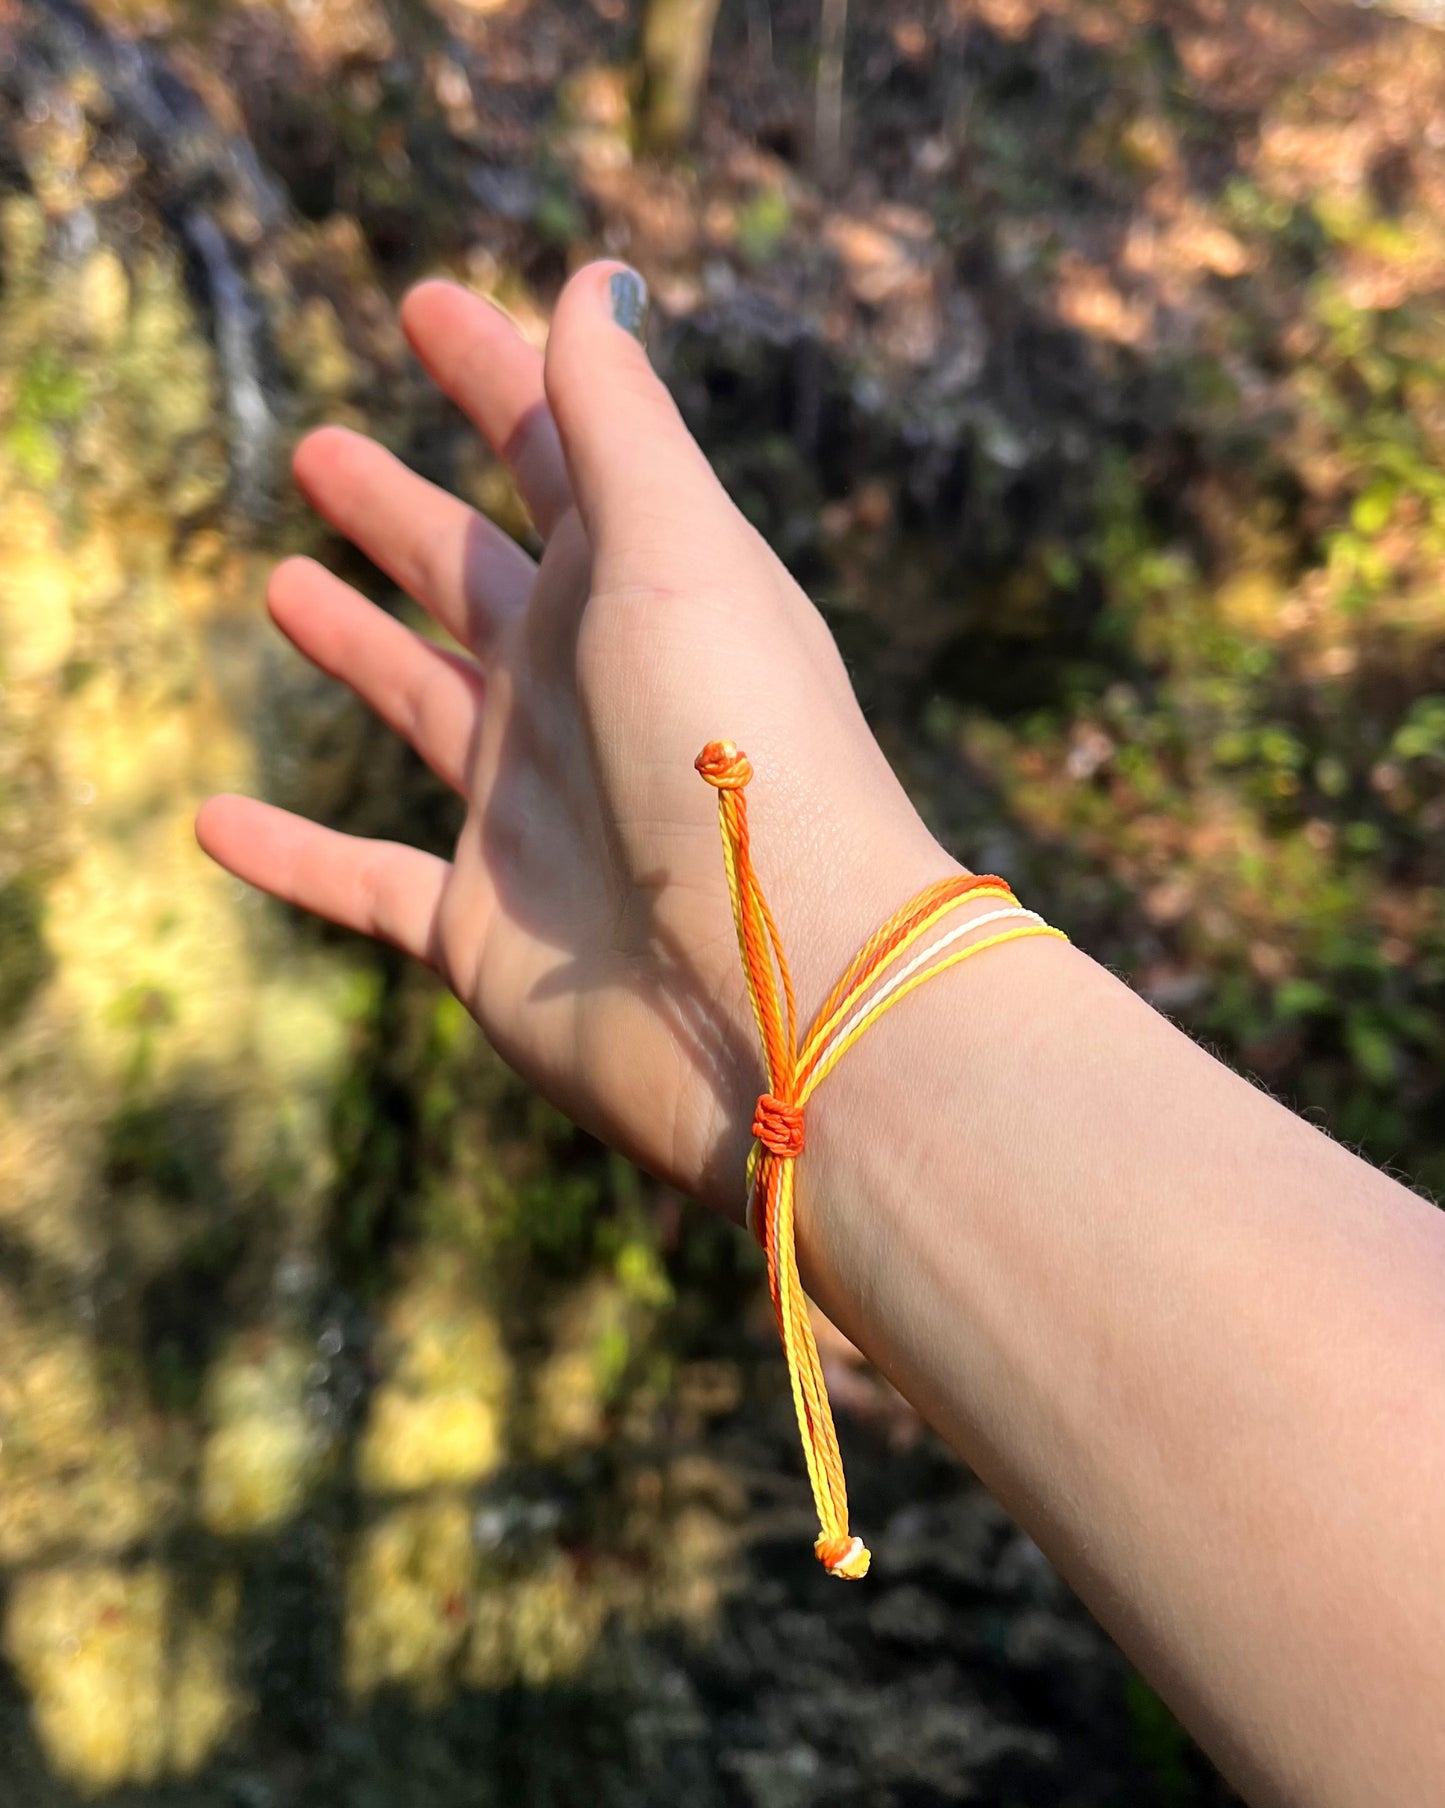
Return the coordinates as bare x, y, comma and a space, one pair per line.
795, 1072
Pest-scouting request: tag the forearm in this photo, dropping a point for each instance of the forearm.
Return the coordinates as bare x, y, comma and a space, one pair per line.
1194, 1345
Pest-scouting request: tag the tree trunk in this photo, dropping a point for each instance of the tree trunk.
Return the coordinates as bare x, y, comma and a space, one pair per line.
828, 134
676, 41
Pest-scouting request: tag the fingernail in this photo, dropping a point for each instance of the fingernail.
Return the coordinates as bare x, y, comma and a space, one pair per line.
629, 303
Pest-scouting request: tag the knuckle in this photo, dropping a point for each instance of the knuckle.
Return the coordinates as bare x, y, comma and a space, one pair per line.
371, 892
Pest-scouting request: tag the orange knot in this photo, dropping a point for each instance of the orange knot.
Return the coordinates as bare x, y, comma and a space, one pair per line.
845, 1557
778, 1126
724, 768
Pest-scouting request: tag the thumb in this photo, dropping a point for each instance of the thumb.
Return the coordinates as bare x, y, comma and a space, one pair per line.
646, 493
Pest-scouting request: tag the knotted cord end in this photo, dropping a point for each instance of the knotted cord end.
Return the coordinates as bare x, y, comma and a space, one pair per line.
778, 1126
845, 1557
896, 959
723, 766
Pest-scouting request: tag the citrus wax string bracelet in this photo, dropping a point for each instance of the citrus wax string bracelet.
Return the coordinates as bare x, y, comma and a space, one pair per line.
889, 965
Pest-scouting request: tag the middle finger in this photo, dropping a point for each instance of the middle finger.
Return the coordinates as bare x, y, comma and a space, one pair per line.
476, 355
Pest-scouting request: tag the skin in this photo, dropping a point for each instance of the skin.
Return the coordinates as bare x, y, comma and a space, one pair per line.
1195, 1347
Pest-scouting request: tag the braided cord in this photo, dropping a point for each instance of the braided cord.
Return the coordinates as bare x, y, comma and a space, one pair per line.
872, 984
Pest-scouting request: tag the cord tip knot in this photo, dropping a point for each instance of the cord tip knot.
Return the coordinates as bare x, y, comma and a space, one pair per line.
778, 1126
723, 766
845, 1557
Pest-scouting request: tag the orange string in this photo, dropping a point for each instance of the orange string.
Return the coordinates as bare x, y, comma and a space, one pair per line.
883, 972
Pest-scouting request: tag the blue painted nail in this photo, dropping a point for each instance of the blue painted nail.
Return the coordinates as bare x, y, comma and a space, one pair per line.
629, 303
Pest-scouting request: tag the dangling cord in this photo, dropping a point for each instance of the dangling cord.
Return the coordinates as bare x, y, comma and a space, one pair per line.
874, 982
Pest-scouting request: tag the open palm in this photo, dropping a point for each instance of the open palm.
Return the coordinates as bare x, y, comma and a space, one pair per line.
583, 919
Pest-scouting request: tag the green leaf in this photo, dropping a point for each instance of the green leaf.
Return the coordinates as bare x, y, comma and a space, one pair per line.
1301, 998
1372, 1048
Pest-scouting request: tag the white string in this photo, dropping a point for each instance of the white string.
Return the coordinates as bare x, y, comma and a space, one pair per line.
904, 973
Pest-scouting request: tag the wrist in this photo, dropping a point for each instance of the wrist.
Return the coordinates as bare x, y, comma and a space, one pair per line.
873, 1121
914, 1138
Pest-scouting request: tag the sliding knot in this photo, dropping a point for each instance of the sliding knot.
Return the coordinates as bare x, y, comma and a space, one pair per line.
778, 1126
724, 768
845, 1557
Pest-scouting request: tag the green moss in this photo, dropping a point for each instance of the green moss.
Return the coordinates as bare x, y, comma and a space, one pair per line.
169, 1146
50, 395
763, 224
25, 962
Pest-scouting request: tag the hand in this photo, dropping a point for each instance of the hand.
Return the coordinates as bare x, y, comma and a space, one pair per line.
584, 918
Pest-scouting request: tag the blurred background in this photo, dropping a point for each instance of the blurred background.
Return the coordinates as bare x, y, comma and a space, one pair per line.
368, 1436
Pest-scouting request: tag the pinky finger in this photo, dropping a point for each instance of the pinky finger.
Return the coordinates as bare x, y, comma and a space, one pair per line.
379, 888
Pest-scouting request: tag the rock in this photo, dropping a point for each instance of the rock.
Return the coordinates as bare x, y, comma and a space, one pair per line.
104, 297
37, 597
261, 1456
415, 1441
126, 1686
408, 1598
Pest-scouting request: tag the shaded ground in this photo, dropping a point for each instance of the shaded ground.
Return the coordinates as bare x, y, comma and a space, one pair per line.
364, 1431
